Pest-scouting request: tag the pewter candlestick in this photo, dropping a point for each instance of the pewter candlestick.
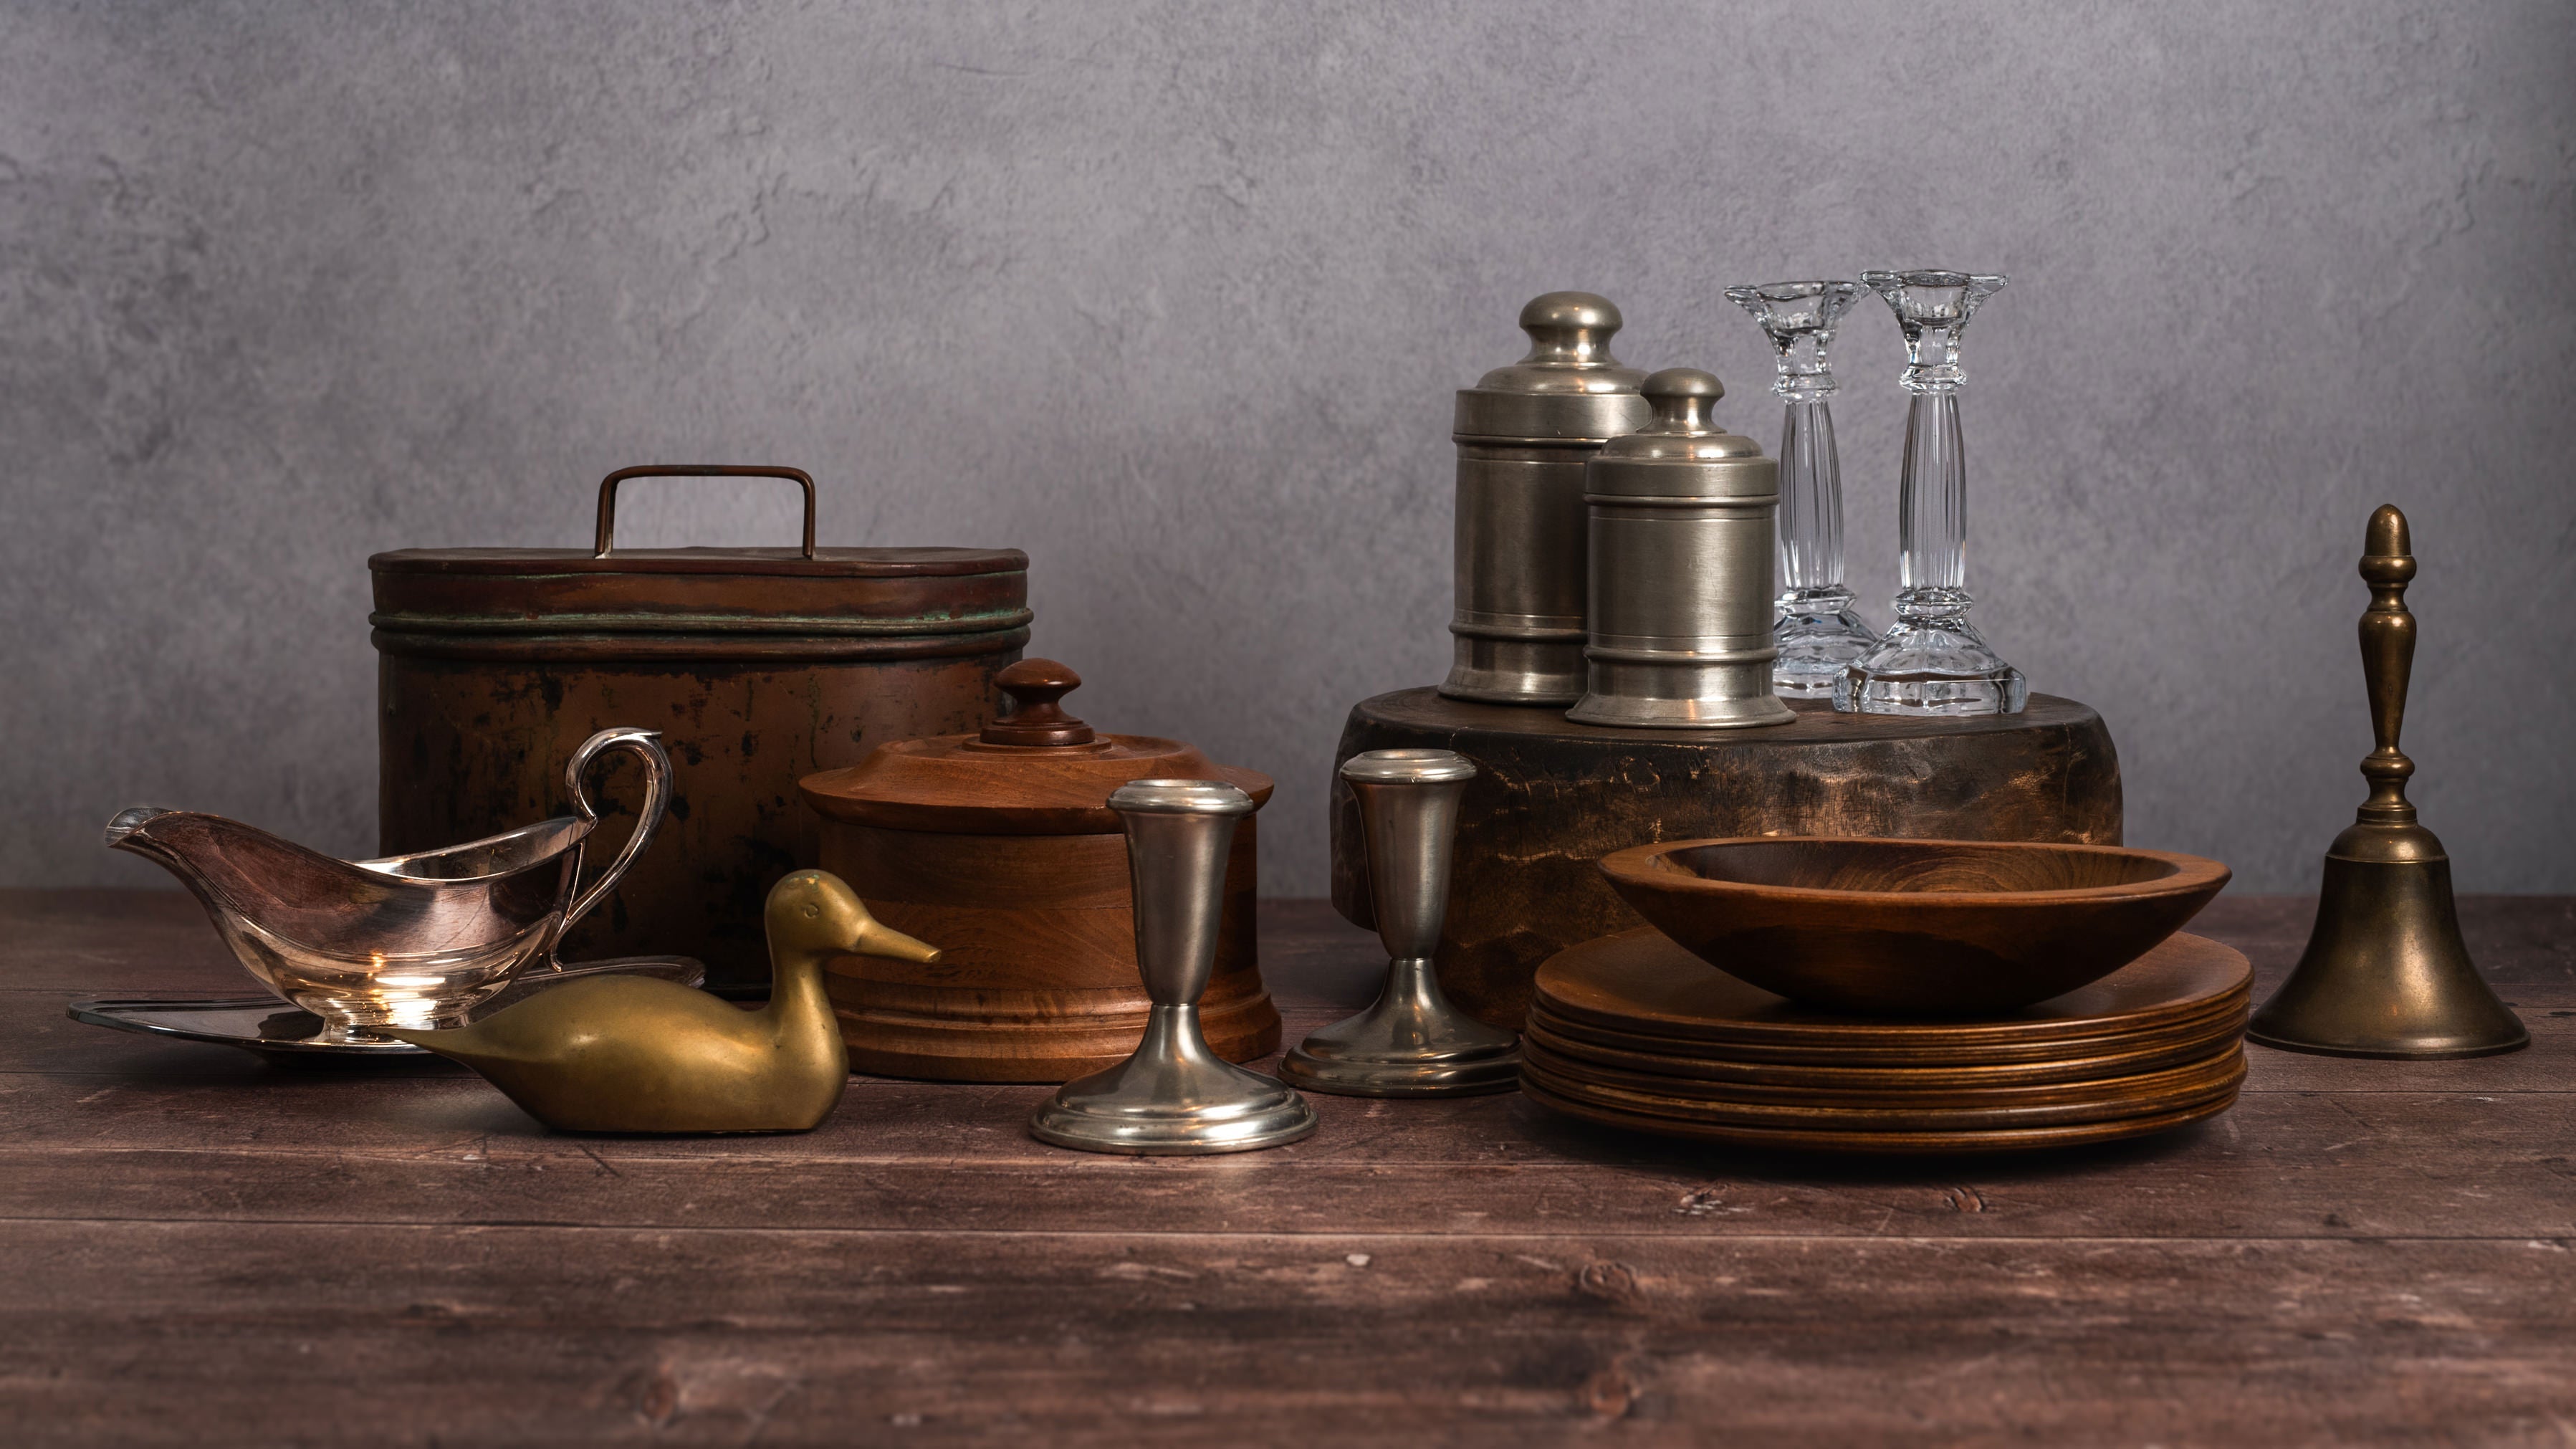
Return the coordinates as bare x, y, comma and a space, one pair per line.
1412, 1043
1817, 632
1933, 661
1174, 1096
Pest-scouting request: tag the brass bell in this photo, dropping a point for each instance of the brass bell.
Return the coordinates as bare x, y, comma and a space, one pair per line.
2386, 973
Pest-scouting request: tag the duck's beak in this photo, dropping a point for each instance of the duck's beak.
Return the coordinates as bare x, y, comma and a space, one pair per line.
876, 938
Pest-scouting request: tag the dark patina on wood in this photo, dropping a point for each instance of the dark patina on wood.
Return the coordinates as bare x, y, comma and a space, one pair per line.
1552, 797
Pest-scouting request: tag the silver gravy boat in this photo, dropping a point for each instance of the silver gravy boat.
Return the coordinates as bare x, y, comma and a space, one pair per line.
407, 940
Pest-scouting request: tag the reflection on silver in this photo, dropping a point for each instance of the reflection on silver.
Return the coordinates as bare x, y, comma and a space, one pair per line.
1412, 1043
269, 1027
408, 940
1174, 1096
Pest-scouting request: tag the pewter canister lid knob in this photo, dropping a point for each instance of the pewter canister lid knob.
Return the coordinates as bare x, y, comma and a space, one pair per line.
1684, 433
1568, 389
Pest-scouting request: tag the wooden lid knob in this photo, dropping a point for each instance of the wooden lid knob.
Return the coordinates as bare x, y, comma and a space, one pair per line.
1034, 687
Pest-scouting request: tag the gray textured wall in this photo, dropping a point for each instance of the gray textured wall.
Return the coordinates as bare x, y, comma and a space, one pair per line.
1174, 298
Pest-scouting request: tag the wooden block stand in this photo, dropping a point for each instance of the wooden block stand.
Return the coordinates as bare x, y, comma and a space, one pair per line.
1552, 797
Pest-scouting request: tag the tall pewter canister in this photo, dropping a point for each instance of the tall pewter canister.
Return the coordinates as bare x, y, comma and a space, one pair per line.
1684, 518
1524, 433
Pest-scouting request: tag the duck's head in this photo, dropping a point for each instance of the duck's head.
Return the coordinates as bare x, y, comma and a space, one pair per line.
816, 912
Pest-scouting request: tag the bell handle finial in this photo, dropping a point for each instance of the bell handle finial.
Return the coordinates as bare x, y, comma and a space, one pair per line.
2387, 660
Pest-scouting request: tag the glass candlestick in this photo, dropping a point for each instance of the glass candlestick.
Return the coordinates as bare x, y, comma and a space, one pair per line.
1932, 661
1817, 633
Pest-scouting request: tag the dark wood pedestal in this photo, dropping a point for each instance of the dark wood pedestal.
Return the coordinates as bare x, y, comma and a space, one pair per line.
1552, 797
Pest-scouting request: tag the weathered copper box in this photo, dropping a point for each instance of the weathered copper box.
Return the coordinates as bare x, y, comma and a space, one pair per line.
759, 666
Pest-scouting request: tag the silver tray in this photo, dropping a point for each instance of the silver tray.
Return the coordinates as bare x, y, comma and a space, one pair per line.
272, 1027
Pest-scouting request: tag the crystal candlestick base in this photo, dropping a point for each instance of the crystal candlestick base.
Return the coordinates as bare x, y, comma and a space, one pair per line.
1817, 633
1932, 661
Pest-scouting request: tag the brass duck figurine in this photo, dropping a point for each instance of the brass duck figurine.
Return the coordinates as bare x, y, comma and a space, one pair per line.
631, 1054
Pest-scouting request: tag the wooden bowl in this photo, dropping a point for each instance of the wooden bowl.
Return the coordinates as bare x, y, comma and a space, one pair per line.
1920, 927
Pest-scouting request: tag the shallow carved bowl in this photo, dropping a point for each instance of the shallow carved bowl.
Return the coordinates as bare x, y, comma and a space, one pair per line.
1925, 927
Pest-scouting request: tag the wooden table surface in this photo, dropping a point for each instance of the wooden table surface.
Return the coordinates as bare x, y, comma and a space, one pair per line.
196, 1247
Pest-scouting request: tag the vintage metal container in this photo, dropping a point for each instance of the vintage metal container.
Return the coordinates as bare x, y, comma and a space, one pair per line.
758, 666
1684, 521
1000, 848
1524, 433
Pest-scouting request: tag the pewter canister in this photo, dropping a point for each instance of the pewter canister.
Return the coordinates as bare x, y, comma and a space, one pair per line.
1684, 518
1524, 433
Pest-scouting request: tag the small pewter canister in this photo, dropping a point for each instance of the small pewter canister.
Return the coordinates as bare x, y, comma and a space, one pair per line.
1524, 433
1684, 518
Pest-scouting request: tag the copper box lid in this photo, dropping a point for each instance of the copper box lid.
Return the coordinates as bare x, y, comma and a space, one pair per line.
1034, 771
748, 603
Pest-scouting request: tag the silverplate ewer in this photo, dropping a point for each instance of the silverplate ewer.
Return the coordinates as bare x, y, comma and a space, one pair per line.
414, 940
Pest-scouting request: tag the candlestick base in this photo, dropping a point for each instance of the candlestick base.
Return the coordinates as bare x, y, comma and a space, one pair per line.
1937, 665
1412, 1043
1818, 637
1173, 1098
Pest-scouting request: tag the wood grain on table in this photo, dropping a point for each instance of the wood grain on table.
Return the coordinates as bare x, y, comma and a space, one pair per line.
197, 1247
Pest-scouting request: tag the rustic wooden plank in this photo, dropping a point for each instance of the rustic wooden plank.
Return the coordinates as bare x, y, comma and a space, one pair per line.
102, 942
66, 943
194, 1243
153, 1331
35, 1036
916, 1155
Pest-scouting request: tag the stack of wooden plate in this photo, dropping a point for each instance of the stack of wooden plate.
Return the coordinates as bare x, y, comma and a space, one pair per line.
1634, 1031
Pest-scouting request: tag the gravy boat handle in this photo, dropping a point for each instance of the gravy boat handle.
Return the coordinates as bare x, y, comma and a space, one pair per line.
647, 747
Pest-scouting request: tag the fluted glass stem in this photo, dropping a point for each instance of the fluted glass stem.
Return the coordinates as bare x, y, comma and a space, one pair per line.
1932, 511
1811, 499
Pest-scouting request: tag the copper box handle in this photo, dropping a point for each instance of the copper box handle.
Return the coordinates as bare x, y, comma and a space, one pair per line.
608, 490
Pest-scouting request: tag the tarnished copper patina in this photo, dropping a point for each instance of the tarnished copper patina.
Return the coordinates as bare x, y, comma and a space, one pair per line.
758, 666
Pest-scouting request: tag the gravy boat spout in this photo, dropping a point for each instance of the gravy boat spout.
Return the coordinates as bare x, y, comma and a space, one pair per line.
410, 940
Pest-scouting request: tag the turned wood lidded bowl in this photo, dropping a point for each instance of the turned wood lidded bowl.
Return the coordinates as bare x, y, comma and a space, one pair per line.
1000, 849
1929, 927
